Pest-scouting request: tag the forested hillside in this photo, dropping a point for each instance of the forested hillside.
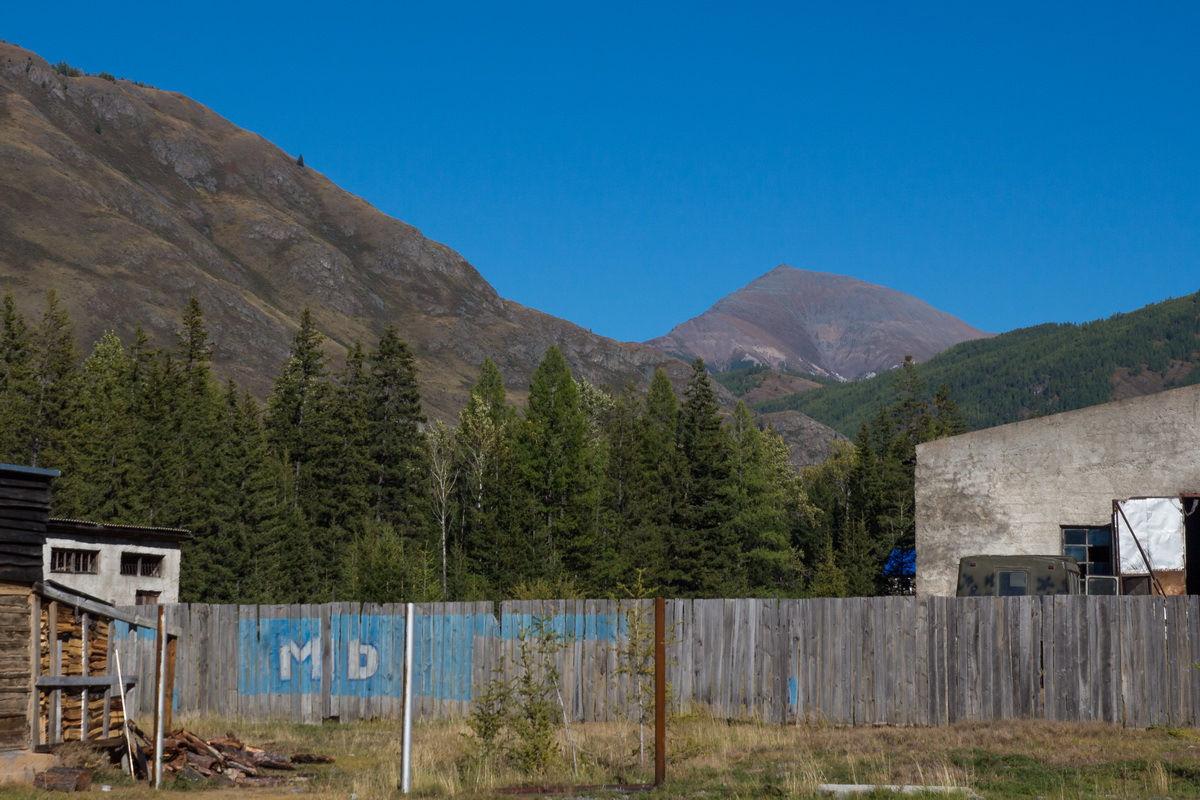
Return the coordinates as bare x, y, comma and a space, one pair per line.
339, 489
1036, 371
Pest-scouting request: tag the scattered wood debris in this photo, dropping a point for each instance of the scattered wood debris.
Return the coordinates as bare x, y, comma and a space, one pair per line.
226, 759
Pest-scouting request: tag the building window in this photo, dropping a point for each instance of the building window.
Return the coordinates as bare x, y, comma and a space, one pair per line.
147, 598
78, 561
145, 565
1091, 546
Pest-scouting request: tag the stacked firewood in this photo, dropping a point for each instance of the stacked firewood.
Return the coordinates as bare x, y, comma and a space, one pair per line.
69, 631
226, 759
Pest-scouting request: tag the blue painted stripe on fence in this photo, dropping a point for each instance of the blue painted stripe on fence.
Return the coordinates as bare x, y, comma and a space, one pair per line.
793, 691
284, 656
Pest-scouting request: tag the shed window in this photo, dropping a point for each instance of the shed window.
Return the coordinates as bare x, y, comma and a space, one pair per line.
146, 565
66, 560
1091, 546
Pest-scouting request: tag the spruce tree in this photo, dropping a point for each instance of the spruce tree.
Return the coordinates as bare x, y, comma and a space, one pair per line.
763, 494
100, 468
52, 378
342, 468
489, 536
398, 449
16, 384
559, 468
660, 496
621, 515
704, 556
295, 429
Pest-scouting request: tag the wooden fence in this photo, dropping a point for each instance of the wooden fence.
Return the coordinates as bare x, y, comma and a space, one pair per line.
889, 660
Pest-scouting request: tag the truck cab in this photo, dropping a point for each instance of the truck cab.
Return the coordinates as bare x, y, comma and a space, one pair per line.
1017, 576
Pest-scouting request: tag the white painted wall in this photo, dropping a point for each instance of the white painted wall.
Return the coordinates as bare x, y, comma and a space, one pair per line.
1006, 490
108, 583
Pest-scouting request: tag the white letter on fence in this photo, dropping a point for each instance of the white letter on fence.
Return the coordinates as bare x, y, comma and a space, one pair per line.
357, 670
292, 650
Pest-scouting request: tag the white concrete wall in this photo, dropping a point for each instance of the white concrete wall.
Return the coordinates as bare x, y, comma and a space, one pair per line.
1006, 490
108, 583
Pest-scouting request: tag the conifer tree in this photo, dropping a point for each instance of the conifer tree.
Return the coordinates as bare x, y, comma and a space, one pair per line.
704, 557
394, 428
100, 464
52, 377
559, 467
342, 468
298, 398
195, 412
661, 494
489, 538
763, 493
621, 518
295, 428
16, 383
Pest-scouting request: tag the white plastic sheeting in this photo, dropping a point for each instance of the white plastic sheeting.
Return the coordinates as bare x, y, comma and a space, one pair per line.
1158, 524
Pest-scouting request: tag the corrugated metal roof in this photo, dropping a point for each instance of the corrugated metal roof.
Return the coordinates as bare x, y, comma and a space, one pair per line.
110, 528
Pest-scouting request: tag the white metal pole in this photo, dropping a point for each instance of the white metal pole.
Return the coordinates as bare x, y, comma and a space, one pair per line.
406, 744
160, 713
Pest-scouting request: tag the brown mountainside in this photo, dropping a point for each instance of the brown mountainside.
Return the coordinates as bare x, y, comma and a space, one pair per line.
128, 199
817, 323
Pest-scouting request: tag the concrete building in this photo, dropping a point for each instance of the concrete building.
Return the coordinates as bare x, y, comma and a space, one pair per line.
123, 565
1114, 485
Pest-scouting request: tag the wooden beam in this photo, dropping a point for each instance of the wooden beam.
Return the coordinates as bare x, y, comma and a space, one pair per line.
99, 609
82, 681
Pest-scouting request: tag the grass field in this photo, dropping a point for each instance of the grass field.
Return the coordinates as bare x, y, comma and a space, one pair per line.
739, 759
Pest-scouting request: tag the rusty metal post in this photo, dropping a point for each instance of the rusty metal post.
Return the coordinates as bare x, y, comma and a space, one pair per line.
660, 691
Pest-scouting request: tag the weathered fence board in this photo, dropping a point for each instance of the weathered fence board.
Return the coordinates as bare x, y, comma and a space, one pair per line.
893, 660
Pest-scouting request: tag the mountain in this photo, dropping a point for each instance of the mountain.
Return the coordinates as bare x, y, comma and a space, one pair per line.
127, 200
1035, 371
817, 323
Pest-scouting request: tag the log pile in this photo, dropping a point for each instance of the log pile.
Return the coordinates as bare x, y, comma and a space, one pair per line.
69, 636
226, 760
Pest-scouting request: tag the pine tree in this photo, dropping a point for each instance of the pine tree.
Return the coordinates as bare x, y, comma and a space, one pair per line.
53, 375
704, 559
661, 494
559, 467
763, 496
295, 428
342, 468
240, 560
296, 401
16, 384
623, 484
394, 428
100, 459
195, 413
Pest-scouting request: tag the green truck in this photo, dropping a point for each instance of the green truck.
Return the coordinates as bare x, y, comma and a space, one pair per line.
1016, 576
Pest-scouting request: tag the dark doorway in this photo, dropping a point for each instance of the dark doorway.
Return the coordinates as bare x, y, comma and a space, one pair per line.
1191, 541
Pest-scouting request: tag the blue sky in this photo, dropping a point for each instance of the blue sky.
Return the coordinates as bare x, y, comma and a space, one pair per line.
625, 165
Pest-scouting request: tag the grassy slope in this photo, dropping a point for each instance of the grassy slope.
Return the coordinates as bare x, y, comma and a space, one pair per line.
1036, 371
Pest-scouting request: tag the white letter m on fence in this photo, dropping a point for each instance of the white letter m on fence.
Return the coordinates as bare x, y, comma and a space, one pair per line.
291, 650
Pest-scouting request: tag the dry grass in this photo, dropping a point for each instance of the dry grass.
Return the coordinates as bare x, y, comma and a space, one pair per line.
737, 759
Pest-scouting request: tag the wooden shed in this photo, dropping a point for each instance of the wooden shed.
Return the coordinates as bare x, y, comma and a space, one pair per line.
24, 510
